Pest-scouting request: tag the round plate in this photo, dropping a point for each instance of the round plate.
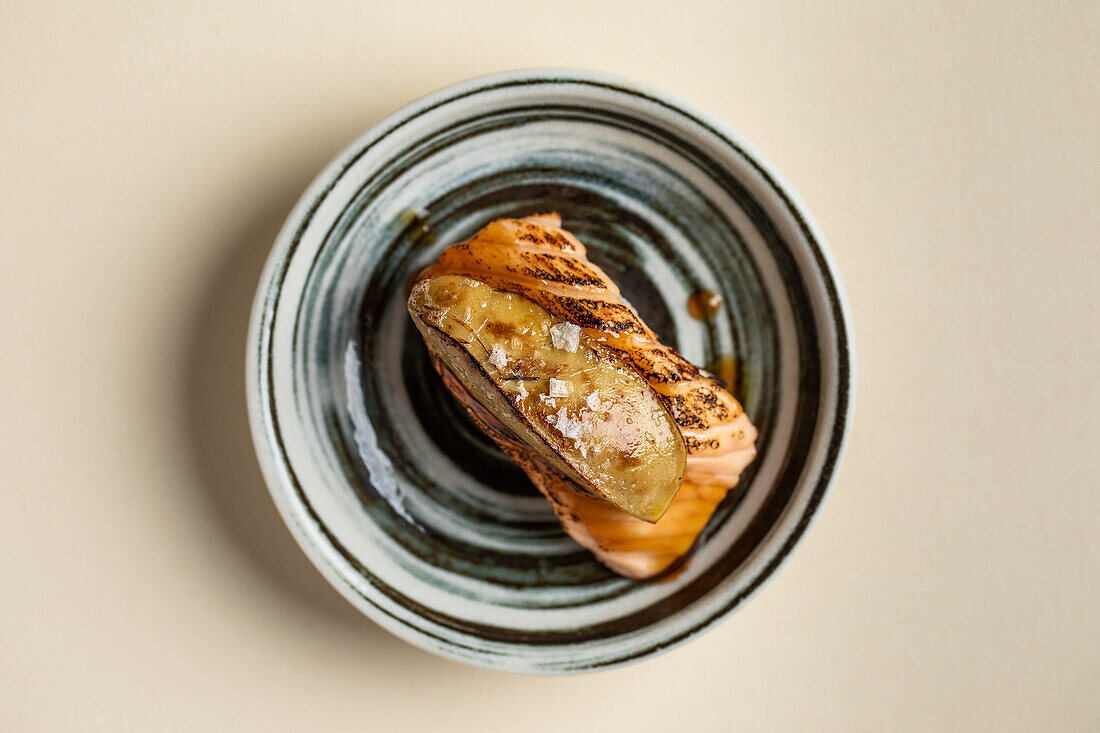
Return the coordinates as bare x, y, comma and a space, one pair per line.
395, 495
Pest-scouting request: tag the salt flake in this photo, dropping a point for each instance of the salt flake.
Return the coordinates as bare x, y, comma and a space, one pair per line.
593, 401
498, 358
558, 388
566, 336
567, 426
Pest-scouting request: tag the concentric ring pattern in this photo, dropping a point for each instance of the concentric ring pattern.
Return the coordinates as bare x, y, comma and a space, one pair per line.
393, 492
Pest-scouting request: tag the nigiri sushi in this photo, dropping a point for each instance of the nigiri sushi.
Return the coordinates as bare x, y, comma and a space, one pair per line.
632, 445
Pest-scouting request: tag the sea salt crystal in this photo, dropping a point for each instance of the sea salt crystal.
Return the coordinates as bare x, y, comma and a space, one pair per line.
593, 401
522, 390
567, 426
558, 388
548, 400
498, 358
566, 336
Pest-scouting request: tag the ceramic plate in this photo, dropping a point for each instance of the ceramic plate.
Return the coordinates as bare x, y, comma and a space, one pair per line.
390, 489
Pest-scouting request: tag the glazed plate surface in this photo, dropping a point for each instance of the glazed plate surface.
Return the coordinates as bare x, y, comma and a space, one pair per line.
391, 490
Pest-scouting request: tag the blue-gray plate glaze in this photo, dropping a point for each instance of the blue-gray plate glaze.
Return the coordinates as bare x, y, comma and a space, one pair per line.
387, 485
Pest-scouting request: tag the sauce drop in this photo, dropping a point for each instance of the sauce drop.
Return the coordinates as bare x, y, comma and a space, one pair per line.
727, 370
704, 305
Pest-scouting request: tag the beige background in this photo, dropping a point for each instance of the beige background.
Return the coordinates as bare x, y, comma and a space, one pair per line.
949, 151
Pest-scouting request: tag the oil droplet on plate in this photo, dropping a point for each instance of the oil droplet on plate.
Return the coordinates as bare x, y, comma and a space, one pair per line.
416, 227
704, 305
